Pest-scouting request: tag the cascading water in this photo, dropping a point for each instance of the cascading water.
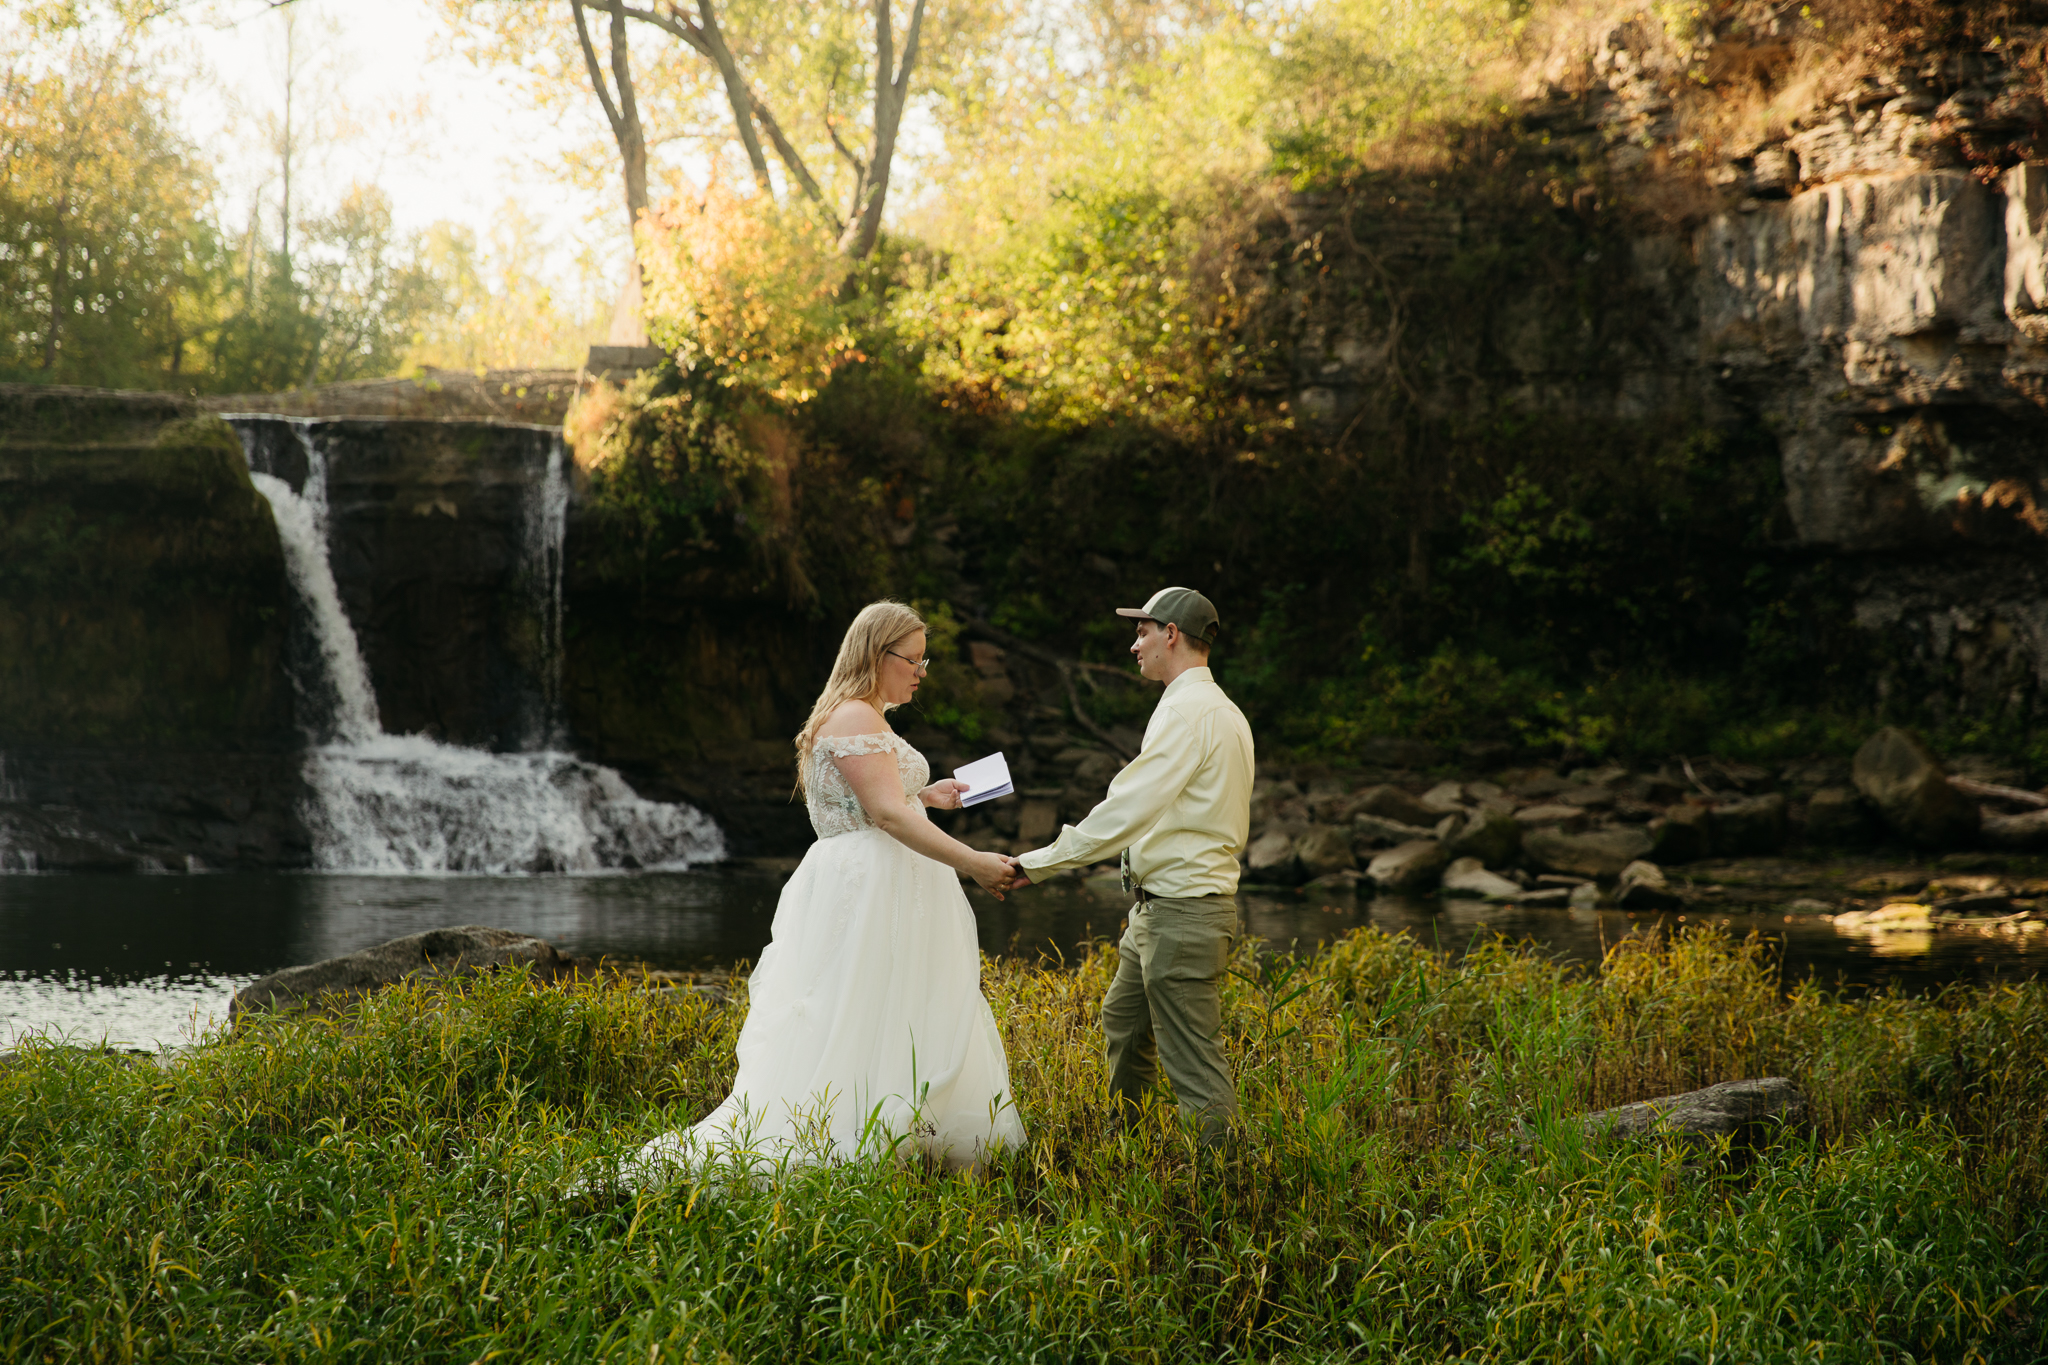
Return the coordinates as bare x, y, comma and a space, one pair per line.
547, 524
406, 803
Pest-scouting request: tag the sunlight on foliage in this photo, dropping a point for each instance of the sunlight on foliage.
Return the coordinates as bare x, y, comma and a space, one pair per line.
748, 290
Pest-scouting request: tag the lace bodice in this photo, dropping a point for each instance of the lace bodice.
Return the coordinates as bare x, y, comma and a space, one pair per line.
833, 806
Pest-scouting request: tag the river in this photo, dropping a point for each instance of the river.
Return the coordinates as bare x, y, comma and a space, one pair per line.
150, 961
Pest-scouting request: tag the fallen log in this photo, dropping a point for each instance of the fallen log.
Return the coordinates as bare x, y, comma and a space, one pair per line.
1991, 791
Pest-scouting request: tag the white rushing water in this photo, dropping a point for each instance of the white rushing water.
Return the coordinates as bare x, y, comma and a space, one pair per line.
408, 804
547, 526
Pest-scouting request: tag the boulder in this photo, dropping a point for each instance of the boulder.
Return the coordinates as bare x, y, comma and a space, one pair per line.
1837, 817
1596, 853
1413, 866
1643, 887
1750, 825
436, 953
1391, 803
1491, 836
1730, 1109
1468, 877
2027, 831
1899, 775
1271, 858
1585, 897
1684, 835
1323, 850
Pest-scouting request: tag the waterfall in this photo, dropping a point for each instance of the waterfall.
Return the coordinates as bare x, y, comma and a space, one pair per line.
547, 523
410, 804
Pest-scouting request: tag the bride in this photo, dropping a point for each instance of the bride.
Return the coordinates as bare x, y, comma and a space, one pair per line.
866, 1026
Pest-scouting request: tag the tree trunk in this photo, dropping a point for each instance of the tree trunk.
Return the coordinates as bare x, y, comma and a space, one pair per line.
736, 92
60, 263
864, 221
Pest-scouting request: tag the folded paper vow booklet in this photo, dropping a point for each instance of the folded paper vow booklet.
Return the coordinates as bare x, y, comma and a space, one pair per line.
986, 779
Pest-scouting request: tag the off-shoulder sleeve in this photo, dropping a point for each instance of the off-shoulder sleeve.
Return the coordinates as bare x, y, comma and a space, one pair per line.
848, 746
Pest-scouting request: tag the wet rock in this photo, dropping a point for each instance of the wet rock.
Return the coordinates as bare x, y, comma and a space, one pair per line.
1585, 897
1445, 798
1391, 803
1323, 850
457, 951
2027, 831
1537, 784
1271, 859
1491, 836
1899, 775
1468, 877
1375, 829
1753, 825
1413, 866
1837, 817
1586, 798
1684, 835
1723, 1110
1596, 853
1899, 918
1537, 817
1642, 887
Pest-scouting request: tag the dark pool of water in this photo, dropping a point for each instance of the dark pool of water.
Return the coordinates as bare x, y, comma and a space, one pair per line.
151, 960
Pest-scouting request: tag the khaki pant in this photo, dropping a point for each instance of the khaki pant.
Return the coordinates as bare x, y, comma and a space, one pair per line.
1164, 1007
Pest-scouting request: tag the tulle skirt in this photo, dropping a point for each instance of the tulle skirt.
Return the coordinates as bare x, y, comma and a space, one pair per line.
867, 1032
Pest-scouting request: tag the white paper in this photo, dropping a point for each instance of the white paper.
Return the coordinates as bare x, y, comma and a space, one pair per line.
986, 779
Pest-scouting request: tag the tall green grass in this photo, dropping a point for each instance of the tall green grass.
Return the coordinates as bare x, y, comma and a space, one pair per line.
382, 1185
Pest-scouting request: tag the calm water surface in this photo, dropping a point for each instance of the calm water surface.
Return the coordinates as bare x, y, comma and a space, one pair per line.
152, 961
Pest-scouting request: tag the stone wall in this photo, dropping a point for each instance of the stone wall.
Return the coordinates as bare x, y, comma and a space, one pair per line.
1869, 286
145, 713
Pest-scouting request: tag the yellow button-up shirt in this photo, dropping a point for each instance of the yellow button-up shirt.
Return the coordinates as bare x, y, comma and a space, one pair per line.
1183, 806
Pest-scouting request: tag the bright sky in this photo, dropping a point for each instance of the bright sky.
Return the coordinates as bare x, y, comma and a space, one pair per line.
444, 139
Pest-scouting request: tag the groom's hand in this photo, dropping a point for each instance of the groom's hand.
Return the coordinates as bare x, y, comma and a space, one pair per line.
1019, 879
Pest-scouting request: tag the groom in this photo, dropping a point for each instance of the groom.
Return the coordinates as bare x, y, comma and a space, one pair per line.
1181, 812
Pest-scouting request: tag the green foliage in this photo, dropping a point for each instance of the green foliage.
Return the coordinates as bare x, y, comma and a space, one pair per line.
950, 696
386, 1183
696, 479
103, 226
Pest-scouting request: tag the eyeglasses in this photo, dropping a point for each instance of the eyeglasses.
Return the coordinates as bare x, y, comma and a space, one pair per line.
921, 665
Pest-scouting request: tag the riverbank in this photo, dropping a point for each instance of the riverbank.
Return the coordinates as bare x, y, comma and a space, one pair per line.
381, 1185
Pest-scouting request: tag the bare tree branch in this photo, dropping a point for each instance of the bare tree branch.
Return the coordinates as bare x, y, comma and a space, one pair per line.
736, 91
624, 114
892, 85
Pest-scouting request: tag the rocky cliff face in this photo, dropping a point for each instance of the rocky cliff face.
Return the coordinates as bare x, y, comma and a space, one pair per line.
145, 714
1868, 283
434, 536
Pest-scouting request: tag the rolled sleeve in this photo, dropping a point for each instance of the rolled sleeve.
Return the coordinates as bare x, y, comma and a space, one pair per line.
1139, 795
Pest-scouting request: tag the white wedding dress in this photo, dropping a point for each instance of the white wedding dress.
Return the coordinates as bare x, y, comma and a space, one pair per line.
866, 1027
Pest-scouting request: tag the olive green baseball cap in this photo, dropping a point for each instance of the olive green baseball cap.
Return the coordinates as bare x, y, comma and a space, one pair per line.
1183, 607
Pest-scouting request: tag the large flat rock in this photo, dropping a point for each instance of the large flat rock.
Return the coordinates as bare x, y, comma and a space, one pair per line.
456, 951
1719, 1110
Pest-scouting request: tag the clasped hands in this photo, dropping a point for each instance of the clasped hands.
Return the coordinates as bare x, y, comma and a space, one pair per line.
995, 873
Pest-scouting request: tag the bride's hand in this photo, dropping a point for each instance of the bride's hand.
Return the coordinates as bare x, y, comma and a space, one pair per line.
992, 872
944, 794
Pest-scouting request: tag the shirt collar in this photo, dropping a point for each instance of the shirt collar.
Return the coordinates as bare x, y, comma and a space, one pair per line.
1199, 673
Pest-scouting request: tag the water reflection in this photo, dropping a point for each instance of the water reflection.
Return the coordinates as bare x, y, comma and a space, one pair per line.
135, 957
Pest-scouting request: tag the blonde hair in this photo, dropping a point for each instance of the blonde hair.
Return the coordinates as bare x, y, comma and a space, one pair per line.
856, 673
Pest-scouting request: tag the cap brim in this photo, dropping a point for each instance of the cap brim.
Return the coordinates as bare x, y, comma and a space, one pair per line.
1138, 612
